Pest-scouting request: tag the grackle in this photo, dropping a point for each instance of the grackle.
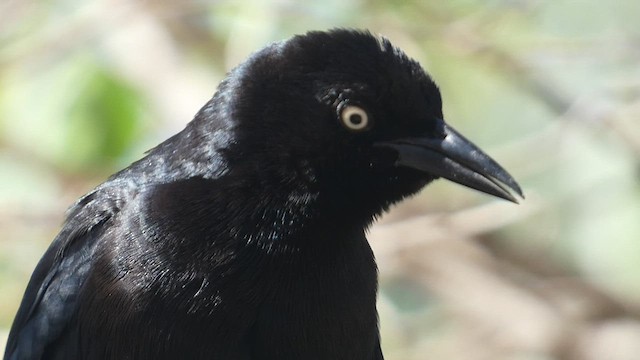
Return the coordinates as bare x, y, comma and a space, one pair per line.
243, 236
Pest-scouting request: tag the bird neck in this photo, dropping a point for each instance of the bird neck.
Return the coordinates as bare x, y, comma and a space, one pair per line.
292, 217
245, 211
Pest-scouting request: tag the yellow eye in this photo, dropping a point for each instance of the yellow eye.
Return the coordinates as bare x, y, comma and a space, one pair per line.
354, 118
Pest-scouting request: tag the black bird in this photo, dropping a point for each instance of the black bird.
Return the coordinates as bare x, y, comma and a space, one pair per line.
243, 236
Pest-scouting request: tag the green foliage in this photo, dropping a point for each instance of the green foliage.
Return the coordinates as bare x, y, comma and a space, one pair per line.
77, 115
105, 119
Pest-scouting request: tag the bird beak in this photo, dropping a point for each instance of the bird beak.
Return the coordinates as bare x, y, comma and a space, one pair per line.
451, 156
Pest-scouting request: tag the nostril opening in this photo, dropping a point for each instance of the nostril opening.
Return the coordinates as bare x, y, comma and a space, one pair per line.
439, 129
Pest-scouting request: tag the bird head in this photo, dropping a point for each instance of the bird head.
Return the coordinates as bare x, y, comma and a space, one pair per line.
345, 112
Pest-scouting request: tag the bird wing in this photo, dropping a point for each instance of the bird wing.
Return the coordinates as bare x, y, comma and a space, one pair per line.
51, 296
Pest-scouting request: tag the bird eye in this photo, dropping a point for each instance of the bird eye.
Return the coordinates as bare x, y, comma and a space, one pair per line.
354, 118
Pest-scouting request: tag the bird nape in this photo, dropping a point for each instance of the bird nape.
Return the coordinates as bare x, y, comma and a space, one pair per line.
243, 236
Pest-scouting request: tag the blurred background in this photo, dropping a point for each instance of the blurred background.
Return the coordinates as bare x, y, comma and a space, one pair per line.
551, 89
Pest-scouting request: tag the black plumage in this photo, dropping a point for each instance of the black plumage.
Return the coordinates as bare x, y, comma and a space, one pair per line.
243, 236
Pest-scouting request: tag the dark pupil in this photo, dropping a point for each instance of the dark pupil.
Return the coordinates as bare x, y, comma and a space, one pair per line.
355, 119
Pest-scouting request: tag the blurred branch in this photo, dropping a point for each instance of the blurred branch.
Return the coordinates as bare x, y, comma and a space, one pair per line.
189, 24
511, 305
463, 36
